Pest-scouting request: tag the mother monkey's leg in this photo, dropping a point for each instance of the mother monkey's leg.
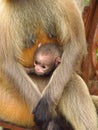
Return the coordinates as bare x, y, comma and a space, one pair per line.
76, 105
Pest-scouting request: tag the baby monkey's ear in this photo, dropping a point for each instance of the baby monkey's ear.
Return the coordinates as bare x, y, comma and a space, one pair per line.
57, 61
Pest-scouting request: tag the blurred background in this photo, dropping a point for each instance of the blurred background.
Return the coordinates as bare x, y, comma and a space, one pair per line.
90, 64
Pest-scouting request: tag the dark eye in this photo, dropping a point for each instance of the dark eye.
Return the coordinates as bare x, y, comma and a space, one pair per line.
43, 67
35, 62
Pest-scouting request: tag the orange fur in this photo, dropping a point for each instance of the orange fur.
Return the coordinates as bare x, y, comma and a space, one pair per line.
14, 108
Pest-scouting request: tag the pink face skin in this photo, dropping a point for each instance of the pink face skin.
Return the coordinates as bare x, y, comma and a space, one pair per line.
44, 64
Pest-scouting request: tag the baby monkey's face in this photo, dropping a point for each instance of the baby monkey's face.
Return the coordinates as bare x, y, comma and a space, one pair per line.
43, 64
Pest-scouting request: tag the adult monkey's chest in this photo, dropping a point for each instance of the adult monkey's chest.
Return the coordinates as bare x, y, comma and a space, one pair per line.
39, 26
28, 52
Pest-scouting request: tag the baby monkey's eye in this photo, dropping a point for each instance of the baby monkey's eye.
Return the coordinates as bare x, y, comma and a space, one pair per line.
36, 62
43, 67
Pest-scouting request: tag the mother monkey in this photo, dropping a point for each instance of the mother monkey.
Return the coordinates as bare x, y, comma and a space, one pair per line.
23, 25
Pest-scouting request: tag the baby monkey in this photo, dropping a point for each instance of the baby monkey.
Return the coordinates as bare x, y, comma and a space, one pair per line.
46, 58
